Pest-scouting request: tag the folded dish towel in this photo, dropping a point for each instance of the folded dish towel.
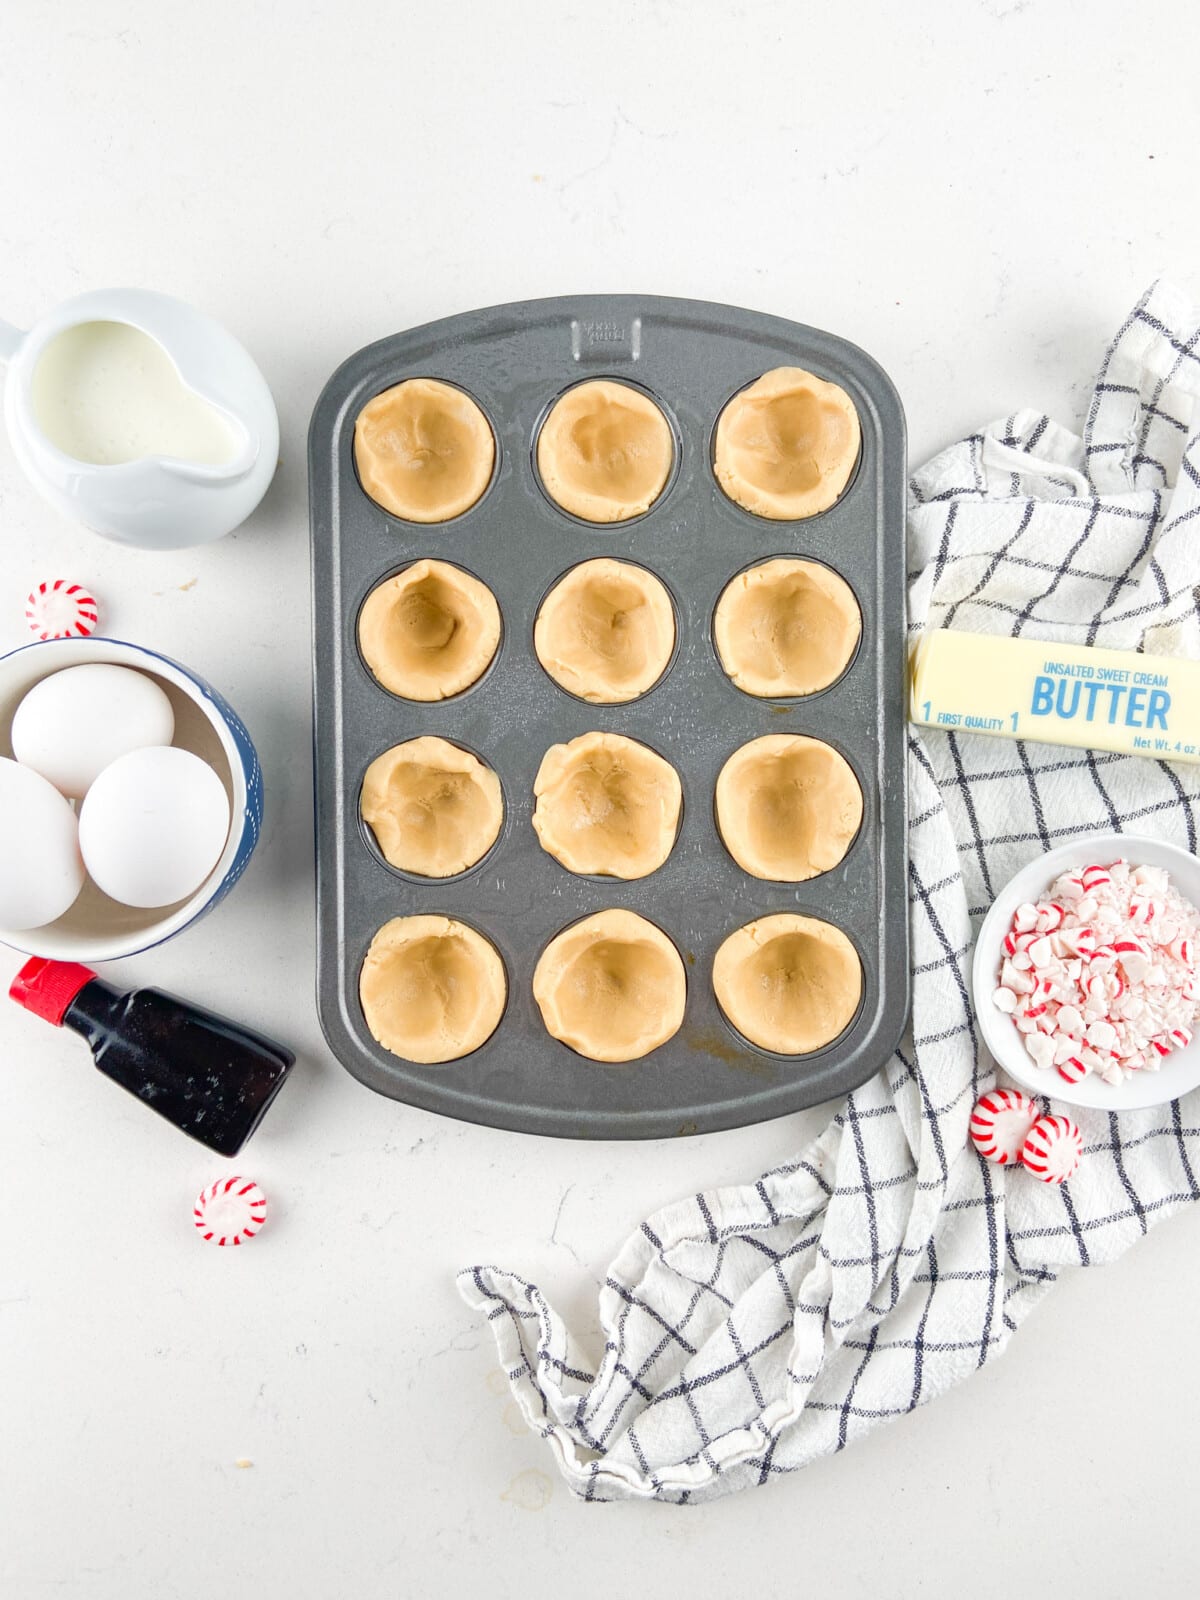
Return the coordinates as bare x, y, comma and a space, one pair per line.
750, 1330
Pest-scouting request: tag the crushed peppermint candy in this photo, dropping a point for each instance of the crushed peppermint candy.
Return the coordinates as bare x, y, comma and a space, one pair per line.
1100, 975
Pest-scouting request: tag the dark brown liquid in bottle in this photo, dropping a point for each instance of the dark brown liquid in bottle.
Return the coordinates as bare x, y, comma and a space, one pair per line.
212, 1078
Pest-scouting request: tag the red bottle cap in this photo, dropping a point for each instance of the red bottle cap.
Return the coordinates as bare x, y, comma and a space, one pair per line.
47, 987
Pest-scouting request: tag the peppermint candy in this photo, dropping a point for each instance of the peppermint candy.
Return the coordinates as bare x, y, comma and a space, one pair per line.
1000, 1125
1073, 1068
1100, 975
230, 1211
61, 610
1052, 1149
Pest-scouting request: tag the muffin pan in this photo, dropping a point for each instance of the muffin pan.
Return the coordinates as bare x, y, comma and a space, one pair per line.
515, 362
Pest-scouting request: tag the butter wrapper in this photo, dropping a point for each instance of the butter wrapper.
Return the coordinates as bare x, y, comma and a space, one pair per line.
1070, 694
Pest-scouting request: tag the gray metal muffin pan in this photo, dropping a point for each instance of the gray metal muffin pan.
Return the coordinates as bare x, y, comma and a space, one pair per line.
691, 357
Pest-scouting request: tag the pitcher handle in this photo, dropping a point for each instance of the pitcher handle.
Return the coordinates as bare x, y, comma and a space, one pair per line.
11, 340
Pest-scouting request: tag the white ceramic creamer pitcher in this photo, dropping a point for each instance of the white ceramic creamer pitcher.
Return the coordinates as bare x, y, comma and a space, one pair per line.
141, 417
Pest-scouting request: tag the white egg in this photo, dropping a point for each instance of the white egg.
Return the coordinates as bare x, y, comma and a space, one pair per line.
41, 871
153, 825
74, 723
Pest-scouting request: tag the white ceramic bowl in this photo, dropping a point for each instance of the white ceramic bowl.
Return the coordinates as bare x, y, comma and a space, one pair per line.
158, 502
97, 928
1179, 1072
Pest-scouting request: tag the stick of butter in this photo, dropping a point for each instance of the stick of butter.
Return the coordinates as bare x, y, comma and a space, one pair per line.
1057, 694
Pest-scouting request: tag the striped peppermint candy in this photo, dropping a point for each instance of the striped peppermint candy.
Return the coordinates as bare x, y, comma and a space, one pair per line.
1050, 917
61, 610
1073, 1068
230, 1211
1082, 941
1053, 1149
1000, 1124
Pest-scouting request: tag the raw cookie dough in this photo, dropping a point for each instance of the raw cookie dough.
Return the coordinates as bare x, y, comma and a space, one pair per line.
788, 983
607, 804
424, 450
606, 630
429, 632
434, 808
431, 989
786, 446
605, 451
788, 807
786, 627
612, 987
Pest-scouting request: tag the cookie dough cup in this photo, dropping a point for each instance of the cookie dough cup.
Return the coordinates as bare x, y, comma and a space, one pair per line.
424, 450
430, 631
605, 451
606, 631
434, 809
788, 983
786, 627
607, 805
612, 987
788, 807
787, 445
432, 989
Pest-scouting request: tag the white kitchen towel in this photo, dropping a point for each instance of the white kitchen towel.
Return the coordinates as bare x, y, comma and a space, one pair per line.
749, 1330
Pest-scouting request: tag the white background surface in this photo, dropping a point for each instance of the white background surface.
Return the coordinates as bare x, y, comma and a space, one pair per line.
975, 192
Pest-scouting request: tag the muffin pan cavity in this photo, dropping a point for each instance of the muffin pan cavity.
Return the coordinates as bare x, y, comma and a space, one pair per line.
786, 628
429, 632
786, 445
424, 450
609, 995
432, 809
432, 989
612, 987
607, 806
790, 984
605, 451
606, 631
788, 807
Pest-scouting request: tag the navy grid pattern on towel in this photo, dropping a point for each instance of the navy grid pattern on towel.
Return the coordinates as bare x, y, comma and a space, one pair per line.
749, 1330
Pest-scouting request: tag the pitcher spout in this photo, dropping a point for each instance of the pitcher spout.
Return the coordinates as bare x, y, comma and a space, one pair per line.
11, 340
240, 464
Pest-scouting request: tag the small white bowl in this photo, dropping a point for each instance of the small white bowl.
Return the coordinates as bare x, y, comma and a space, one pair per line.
1180, 1070
97, 928
158, 502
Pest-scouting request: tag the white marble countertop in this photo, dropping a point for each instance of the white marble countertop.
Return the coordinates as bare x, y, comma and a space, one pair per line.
976, 192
